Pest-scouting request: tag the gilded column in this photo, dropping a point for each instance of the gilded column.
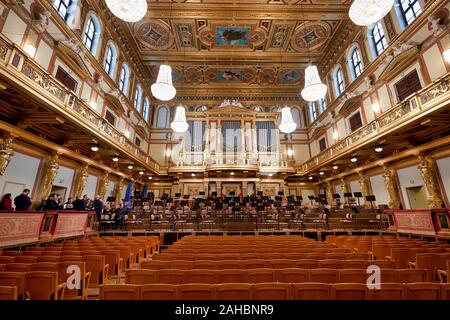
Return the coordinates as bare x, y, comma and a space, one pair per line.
81, 180
244, 188
119, 190
344, 185
219, 188
329, 193
364, 184
103, 185
219, 146
48, 176
391, 186
428, 173
6, 152
254, 141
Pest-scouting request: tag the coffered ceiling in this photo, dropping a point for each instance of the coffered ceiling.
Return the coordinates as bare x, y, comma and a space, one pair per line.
236, 48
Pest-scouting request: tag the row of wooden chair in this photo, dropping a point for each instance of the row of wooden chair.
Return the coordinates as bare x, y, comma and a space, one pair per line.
262, 249
276, 291
297, 275
35, 285
262, 263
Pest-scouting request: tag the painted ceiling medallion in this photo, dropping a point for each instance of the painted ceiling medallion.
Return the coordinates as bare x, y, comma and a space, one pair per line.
310, 35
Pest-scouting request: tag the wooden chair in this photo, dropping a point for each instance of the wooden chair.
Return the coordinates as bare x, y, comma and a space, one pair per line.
204, 264
8, 293
383, 264
323, 275
307, 264
11, 253
331, 263
14, 279
200, 276
231, 276
357, 256
282, 263
180, 265
388, 291
140, 276
445, 290
388, 275
196, 292
355, 264
254, 264
349, 291
159, 291
45, 258
429, 262
70, 258
44, 285
112, 258
18, 267
400, 257
422, 291
311, 291
352, 276
260, 275
6, 259
293, 275
170, 276
45, 266
119, 292
411, 275
65, 271
444, 275
2, 267
234, 291
96, 265
314, 256
272, 291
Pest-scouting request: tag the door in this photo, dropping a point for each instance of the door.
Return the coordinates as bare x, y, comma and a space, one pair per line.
417, 197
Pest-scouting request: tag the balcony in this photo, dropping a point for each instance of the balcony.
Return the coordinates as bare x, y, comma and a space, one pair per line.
432, 99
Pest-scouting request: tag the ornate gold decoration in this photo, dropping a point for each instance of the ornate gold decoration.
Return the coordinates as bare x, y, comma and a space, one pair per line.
119, 190
6, 152
81, 180
344, 185
48, 177
103, 186
329, 192
427, 171
364, 184
391, 185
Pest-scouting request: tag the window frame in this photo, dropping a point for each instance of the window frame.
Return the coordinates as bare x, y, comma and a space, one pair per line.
405, 8
58, 4
146, 109
313, 112
378, 31
89, 34
109, 56
138, 98
123, 79
356, 62
339, 80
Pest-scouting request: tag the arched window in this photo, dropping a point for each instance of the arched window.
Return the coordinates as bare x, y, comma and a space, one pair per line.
62, 7
138, 98
162, 117
123, 79
339, 82
323, 104
91, 35
356, 66
312, 111
110, 59
377, 39
146, 111
407, 11
296, 117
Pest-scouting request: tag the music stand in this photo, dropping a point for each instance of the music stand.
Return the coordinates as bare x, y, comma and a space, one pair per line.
358, 195
177, 195
280, 193
371, 199
312, 199
337, 198
214, 194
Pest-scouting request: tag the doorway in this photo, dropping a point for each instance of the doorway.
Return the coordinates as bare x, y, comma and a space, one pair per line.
417, 197
60, 190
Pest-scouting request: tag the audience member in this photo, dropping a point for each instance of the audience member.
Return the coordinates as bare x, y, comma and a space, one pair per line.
23, 201
51, 204
6, 203
69, 204
78, 204
98, 206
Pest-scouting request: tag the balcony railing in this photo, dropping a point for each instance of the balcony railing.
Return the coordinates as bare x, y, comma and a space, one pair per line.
14, 63
434, 96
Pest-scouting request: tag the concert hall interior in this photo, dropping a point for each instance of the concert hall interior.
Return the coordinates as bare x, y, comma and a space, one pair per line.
224, 150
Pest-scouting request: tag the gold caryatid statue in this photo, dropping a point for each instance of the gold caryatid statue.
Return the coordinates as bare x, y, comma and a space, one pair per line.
81, 180
103, 186
6, 152
391, 186
426, 169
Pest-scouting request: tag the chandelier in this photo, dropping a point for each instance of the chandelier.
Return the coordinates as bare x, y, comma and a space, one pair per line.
179, 123
128, 10
287, 124
367, 12
163, 89
314, 88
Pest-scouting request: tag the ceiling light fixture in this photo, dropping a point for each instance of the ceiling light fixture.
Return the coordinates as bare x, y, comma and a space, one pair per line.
163, 88
179, 123
310, 178
290, 152
379, 149
150, 178
232, 173
115, 159
95, 148
335, 167
335, 135
193, 174
376, 107
130, 167
141, 173
287, 124
322, 173
367, 12
128, 10
354, 159
30, 50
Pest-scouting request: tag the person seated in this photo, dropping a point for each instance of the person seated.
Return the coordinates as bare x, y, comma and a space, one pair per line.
6, 203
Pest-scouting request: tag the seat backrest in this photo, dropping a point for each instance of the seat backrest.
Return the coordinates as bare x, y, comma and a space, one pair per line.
41, 285
272, 291
307, 263
230, 264
153, 264
196, 292
119, 292
95, 265
400, 256
18, 267
231, 276
293, 275
352, 276
180, 265
140, 276
6, 259
45, 266
260, 275
200, 276
411, 275
422, 291
46, 258
282, 263
8, 293
356, 264
430, 262
323, 275
112, 258
348, 291
234, 291
14, 279
388, 291
445, 290
331, 263
311, 291
65, 271
204, 264
170, 276
254, 263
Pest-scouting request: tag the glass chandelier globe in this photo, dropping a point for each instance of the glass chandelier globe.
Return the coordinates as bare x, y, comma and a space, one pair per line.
367, 12
128, 10
314, 88
287, 124
163, 88
179, 123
